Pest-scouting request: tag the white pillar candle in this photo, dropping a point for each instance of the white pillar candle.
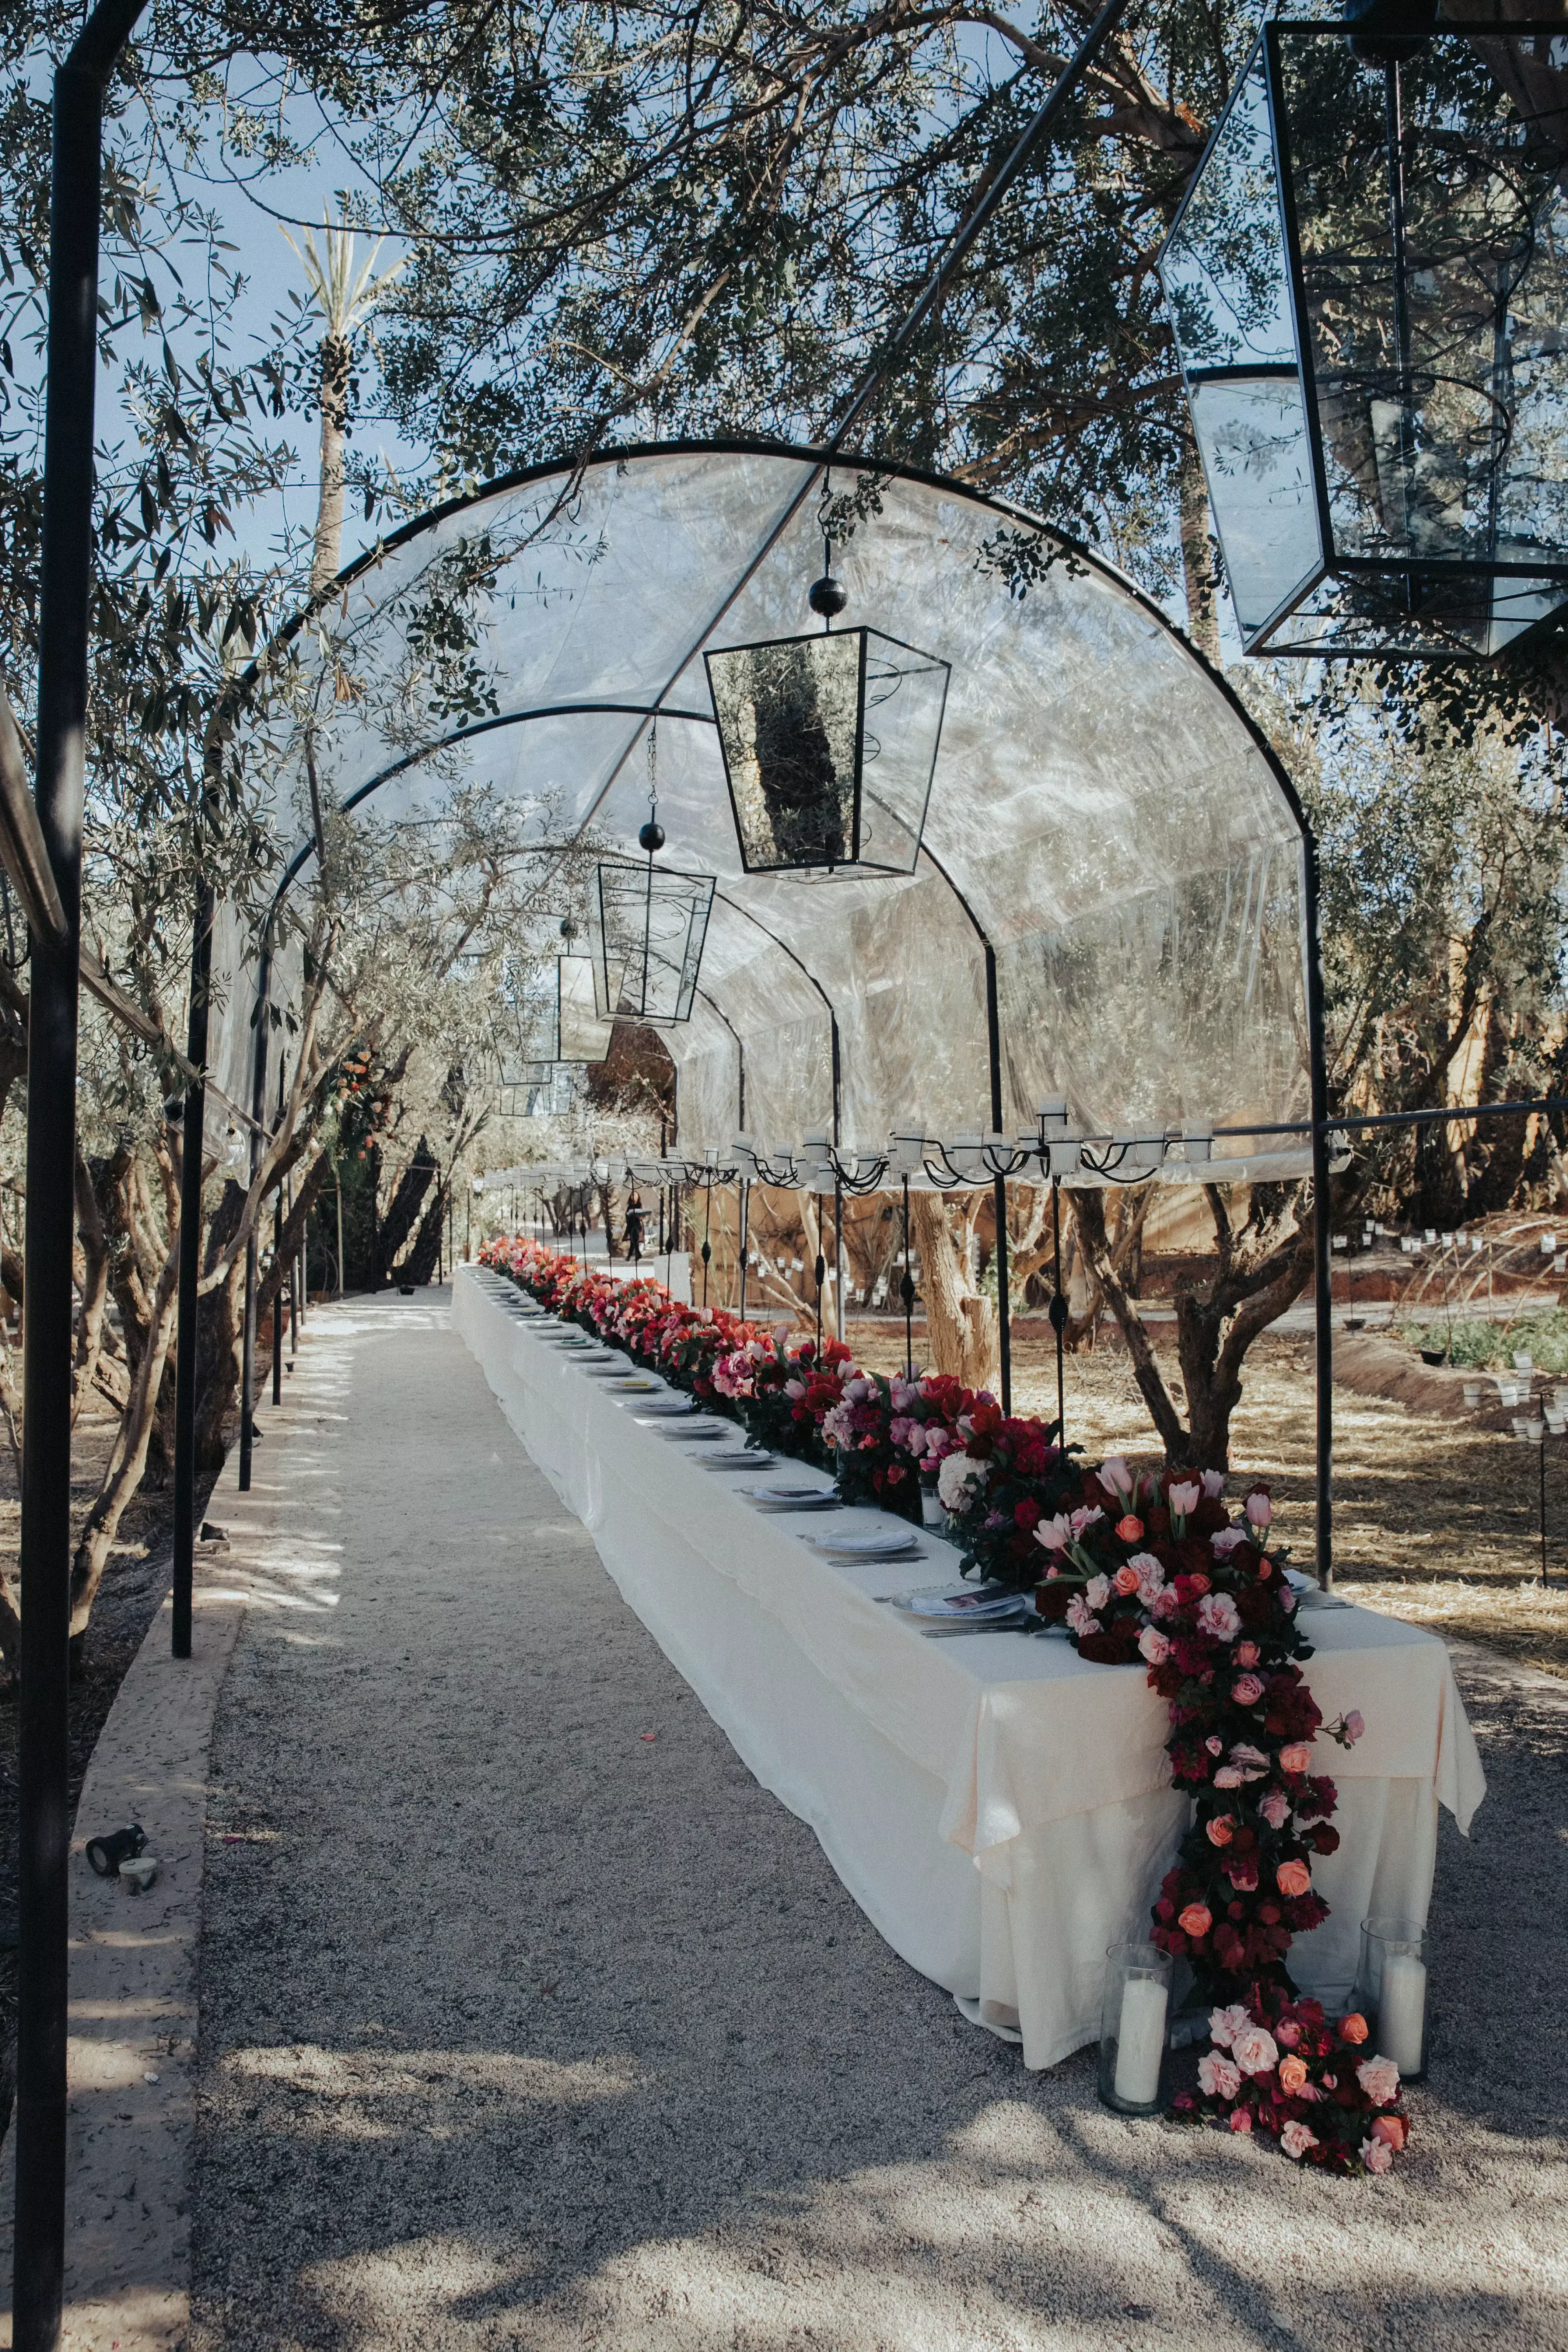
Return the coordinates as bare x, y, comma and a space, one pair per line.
1402, 2010
1140, 2041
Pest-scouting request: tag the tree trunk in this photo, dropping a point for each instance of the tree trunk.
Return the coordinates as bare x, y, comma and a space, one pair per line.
1197, 554
420, 1263
399, 1222
334, 393
128, 1459
94, 1287
962, 1323
219, 1333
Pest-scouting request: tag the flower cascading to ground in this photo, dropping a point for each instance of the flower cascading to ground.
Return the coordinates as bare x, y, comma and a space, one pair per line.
1154, 1568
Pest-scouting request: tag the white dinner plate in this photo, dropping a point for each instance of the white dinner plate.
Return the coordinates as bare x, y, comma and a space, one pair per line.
871, 1547
962, 1604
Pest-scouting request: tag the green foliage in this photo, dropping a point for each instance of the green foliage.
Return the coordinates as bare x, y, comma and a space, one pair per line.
1486, 1346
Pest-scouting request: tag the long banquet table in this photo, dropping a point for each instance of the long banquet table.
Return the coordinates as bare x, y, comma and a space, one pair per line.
1000, 1807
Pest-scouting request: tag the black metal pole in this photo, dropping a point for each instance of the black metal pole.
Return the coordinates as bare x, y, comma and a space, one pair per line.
1059, 1306
838, 1258
42, 1719
707, 1232
1543, 1500
1003, 1288
287, 1191
907, 1291
194, 1129
258, 1114
745, 1215
1323, 1260
277, 1265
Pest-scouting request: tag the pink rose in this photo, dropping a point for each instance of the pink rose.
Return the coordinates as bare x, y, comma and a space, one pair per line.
1229, 1776
1379, 2078
1354, 1726
1297, 1758
1296, 2140
1217, 1615
1293, 1878
1247, 1690
1217, 2078
1288, 1602
1240, 2119
1225, 2024
1221, 1831
1153, 1646
1164, 1602
1287, 2033
1275, 1809
1215, 1746
1378, 2156
1255, 2050
1390, 2130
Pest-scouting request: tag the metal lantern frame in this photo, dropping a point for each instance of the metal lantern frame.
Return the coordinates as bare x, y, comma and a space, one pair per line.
1296, 443
627, 960
849, 806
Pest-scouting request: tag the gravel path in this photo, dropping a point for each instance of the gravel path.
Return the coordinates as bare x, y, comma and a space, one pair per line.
520, 2029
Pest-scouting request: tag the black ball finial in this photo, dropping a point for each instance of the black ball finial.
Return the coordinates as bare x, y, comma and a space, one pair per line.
651, 837
828, 596
568, 929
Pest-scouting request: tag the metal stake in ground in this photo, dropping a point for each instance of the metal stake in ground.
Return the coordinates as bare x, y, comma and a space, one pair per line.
1059, 1307
43, 1755
906, 1292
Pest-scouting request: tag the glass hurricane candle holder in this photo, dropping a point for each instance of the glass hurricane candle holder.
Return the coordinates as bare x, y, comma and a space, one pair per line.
1133, 2027
1391, 1992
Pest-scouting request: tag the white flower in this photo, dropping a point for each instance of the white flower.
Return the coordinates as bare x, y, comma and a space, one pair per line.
1096, 1591
1086, 1518
1055, 1533
1225, 2024
1114, 1473
1153, 1646
1213, 1484
1254, 2049
1227, 1539
1296, 2140
1217, 1615
1183, 1497
1150, 1575
1217, 2078
956, 1479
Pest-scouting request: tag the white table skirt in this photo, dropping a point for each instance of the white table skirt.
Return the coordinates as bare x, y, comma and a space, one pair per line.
1001, 1809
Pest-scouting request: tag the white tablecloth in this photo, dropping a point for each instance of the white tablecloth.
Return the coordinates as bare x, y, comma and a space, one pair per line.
1000, 1807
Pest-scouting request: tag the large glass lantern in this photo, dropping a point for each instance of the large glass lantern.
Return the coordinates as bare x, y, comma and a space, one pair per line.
582, 1035
646, 929
829, 743
1368, 284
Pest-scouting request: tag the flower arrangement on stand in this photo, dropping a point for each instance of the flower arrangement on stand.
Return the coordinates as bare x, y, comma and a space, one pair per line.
1010, 1476
782, 1391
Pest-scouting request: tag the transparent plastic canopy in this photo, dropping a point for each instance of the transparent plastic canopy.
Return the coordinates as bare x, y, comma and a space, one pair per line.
1110, 856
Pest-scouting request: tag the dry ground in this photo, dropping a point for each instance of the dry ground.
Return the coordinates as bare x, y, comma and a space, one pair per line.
1436, 1516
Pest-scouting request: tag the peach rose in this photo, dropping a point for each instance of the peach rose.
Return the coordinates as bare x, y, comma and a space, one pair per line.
1293, 1878
1125, 1579
1221, 1831
1297, 1758
1197, 1919
1292, 2076
1390, 2130
1130, 1529
1241, 2119
1353, 2028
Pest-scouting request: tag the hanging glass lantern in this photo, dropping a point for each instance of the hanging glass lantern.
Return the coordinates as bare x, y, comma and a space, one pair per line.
1367, 281
646, 930
582, 1035
829, 743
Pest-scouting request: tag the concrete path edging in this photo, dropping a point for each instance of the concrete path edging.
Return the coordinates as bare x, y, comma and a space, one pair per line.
130, 2058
